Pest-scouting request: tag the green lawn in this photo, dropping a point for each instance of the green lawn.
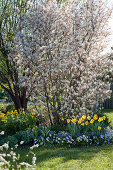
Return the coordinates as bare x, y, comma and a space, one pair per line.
95, 158
109, 114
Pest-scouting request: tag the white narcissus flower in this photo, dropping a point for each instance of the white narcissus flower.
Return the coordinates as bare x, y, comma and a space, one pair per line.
26, 164
2, 133
34, 146
3, 154
3, 160
31, 148
5, 145
1, 147
21, 142
14, 158
34, 160
2, 163
8, 155
16, 145
12, 153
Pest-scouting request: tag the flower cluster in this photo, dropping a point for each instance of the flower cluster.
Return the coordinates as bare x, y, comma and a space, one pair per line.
2, 115
83, 139
14, 121
109, 132
85, 123
86, 119
65, 138
13, 157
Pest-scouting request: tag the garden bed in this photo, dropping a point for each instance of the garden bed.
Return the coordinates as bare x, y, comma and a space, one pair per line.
86, 133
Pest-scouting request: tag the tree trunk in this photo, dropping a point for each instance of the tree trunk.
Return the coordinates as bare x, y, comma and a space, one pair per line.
56, 119
24, 99
20, 102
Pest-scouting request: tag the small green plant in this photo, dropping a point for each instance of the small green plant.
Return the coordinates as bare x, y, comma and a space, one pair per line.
44, 129
57, 128
23, 136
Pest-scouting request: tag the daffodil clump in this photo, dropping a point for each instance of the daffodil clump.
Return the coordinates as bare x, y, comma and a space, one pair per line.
15, 121
87, 123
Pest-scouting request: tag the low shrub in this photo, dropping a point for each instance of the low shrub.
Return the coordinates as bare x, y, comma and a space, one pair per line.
23, 136
11, 139
17, 138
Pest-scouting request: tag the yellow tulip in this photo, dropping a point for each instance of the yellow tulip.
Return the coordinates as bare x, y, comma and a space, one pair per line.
68, 120
86, 123
100, 119
23, 112
95, 117
99, 128
109, 121
92, 121
82, 124
104, 117
74, 120
33, 113
89, 118
62, 119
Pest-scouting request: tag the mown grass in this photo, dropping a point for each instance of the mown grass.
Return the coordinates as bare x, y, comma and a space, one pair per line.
51, 157
109, 114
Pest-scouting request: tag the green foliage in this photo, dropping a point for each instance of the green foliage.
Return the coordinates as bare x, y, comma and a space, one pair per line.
9, 108
5, 95
17, 138
57, 128
11, 139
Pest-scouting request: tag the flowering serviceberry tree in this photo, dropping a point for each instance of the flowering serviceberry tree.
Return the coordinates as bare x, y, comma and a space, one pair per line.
58, 53
10, 18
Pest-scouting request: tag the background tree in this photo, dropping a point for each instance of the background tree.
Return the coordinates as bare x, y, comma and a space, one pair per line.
10, 18
59, 56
